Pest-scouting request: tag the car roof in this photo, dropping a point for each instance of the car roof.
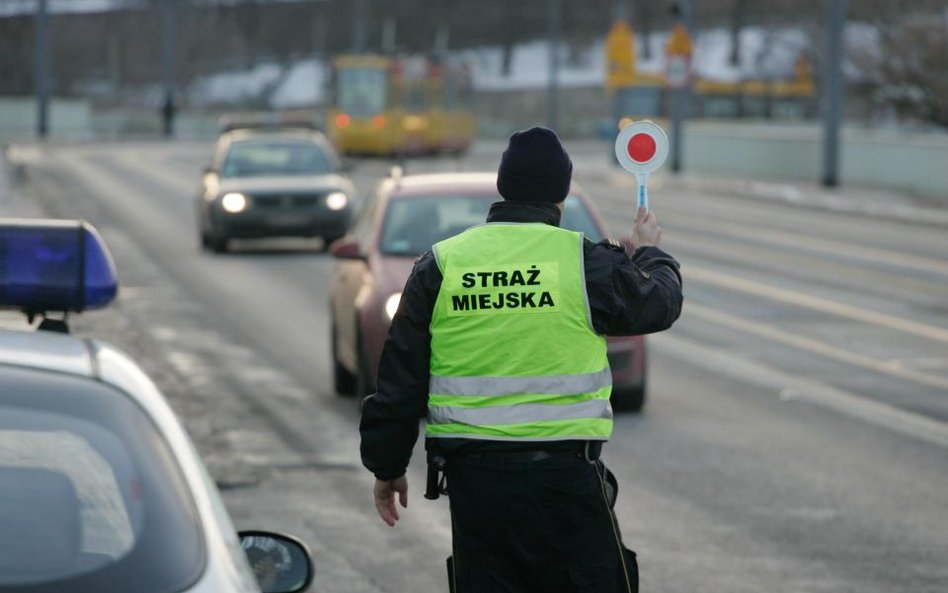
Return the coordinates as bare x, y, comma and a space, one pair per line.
46, 351
475, 181
288, 134
398, 186
440, 181
53, 352
271, 134
44, 355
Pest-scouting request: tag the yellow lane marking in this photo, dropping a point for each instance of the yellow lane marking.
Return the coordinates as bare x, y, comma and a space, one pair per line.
730, 282
815, 346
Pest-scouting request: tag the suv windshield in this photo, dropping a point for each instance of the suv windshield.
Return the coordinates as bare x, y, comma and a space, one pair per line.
250, 158
413, 224
92, 499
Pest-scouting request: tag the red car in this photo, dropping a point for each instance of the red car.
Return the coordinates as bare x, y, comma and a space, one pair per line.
402, 219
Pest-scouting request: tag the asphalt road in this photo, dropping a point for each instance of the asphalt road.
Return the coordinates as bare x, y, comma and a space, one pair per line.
795, 438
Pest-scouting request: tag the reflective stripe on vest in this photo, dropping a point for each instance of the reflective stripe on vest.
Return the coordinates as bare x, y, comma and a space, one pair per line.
513, 352
519, 414
552, 384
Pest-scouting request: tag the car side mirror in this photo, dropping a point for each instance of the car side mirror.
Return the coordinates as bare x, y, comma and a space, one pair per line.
281, 563
347, 248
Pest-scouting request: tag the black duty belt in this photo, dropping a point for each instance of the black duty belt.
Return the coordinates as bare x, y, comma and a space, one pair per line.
530, 456
589, 452
438, 465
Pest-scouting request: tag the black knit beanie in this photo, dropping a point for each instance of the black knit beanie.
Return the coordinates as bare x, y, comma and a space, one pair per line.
534, 168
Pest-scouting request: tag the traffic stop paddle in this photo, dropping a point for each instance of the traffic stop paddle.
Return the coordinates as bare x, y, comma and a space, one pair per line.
641, 148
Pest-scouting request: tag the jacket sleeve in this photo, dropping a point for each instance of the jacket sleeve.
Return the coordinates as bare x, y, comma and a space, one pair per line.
631, 295
389, 425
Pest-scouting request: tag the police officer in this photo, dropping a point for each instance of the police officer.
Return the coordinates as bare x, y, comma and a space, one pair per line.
499, 341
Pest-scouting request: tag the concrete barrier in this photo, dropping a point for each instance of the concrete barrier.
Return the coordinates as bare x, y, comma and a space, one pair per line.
911, 162
68, 118
902, 161
77, 119
116, 123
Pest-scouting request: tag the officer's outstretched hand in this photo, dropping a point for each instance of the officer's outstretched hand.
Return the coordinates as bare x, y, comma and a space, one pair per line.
385, 498
646, 232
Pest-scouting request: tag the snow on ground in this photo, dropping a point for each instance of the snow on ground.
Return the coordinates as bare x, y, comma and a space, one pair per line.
305, 84
237, 86
765, 53
18, 7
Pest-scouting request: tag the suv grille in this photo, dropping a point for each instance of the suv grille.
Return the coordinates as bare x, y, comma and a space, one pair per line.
285, 201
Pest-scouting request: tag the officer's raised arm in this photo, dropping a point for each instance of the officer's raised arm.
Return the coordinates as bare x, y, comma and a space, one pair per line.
634, 295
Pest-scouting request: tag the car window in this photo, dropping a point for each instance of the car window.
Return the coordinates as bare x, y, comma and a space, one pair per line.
413, 224
252, 158
91, 495
576, 217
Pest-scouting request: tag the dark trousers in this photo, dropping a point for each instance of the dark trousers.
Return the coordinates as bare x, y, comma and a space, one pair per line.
534, 526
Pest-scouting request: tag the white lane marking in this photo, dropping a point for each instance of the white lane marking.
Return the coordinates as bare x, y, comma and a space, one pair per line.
168, 176
777, 237
863, 280
814, 346
813, 244
766, 377
923, 362
735, 283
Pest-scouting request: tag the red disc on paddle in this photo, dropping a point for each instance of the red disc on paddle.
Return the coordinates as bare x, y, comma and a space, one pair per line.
641, 147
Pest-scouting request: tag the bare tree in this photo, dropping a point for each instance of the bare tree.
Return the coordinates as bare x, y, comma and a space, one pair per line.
643, 16
738, 16
905, 58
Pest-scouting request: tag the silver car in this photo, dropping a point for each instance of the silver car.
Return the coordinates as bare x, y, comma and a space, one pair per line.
273, 182
101, 488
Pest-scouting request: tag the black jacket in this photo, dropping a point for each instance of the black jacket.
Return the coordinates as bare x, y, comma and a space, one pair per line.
627, 296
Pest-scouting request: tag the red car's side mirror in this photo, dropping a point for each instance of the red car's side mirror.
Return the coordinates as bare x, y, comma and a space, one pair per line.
347, 248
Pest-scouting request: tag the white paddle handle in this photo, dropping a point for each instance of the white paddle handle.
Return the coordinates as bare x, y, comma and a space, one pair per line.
642, 197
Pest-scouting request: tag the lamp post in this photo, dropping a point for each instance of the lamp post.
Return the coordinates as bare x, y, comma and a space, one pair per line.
678, 76
359, 26
41, 71
833, 92
553, 22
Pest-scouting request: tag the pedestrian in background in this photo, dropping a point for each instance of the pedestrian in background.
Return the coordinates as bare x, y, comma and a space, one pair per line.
499, 341
168, 112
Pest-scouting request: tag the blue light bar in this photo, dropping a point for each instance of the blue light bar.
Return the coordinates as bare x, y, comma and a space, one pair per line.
54, 265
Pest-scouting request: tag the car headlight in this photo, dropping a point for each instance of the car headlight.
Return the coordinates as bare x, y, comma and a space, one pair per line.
336, 200
234, 202
391, 305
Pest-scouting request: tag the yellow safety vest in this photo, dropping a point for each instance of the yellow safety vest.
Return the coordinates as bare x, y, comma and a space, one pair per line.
514, 356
